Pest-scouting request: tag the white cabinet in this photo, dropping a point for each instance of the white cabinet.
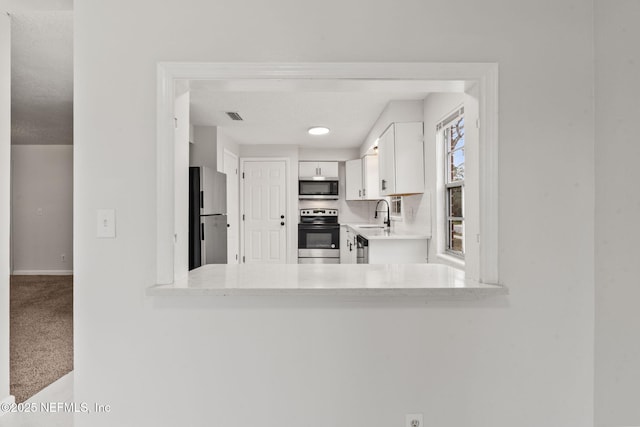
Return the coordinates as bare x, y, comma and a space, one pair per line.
318, 169
386, 162
370, 187
398, 251
401, 159
307, 169
353, 176
348, 253
328, 169
362, 178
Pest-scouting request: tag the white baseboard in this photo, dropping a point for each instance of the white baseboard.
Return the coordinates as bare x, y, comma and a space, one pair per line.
7, 400
43, 273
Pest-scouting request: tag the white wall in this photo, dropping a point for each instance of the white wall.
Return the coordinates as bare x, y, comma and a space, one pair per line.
225, 142
617, 271
203, 151
42, 209
328, 154
525, 359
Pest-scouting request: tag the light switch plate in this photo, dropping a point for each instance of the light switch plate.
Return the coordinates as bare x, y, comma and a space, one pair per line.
106, 223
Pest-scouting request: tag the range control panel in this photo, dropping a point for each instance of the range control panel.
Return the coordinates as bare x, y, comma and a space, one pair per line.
318, 212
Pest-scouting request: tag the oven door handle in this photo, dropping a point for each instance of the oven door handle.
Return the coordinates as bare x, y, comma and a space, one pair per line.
317, 226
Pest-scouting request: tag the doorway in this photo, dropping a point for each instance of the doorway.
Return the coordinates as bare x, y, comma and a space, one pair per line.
41, 201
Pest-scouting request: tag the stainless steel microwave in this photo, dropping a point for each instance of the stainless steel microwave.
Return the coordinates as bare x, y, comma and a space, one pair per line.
318, 189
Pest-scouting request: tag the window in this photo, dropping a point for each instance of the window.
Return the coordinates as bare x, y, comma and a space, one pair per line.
396, 207
452, 129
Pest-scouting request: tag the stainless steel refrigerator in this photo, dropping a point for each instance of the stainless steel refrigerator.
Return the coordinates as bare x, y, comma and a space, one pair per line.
207, 217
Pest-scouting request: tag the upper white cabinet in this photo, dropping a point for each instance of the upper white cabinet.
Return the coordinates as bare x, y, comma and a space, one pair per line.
370, 187
401, 159
353, 176
362, 178
307, 169
318, 169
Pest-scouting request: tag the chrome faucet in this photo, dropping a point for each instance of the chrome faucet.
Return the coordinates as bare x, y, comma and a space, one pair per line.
388, 220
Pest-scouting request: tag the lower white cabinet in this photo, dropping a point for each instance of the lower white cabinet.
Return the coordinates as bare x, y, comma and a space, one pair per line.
398, 251
347, 246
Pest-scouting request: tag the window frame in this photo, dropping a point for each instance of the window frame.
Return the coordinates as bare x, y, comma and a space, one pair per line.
395, 208
448, 184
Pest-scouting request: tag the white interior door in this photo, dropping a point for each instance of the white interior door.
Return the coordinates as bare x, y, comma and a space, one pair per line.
265, 208
233, 207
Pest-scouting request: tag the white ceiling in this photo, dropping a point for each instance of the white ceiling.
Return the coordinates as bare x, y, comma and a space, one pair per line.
42, 78
280, 111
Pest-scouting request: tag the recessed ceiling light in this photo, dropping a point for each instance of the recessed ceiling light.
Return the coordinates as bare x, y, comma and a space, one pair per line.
318, 130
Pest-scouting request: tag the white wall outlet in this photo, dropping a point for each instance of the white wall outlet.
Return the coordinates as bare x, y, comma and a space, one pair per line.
413, 420
106, 224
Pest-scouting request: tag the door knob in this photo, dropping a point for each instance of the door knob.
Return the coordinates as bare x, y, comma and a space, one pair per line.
282, 216
282, 223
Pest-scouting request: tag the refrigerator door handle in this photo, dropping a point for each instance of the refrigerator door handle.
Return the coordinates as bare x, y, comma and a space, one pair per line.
201, 231
201, 199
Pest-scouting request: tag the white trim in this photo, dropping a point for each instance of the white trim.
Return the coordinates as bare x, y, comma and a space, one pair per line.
239, 224
9, 400
287, 176
484, 74
489, 176
43, 273
165, 190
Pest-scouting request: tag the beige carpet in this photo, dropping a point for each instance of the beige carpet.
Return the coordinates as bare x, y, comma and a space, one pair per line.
41, 332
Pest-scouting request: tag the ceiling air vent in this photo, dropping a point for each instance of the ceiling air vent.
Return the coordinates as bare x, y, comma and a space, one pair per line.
234, 116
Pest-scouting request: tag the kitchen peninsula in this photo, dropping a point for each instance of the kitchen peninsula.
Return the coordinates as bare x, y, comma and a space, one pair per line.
435, 281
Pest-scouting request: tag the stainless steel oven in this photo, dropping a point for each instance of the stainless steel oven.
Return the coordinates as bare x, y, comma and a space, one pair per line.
318, 237
318, 189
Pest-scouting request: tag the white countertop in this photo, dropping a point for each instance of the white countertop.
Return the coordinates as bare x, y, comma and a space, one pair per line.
378, 233
426, 280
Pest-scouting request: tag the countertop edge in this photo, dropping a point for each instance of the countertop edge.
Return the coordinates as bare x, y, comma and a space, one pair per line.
482, 291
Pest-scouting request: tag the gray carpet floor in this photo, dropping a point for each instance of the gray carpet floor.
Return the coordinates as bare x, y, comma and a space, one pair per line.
41, 328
